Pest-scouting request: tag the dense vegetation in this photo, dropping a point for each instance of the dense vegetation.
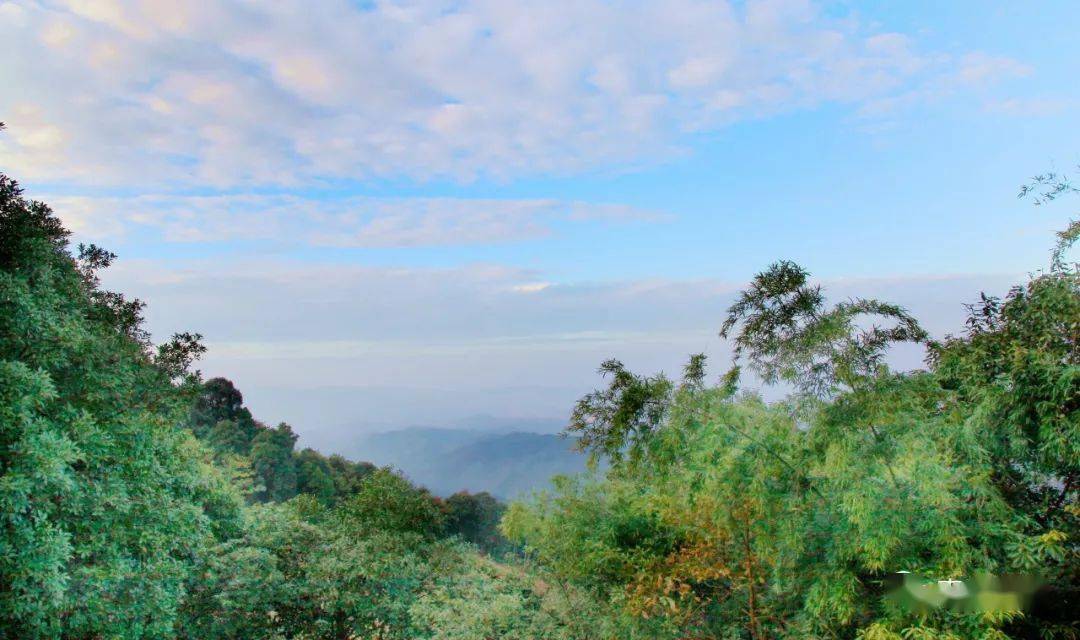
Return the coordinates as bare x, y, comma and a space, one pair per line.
139, 501
727, 517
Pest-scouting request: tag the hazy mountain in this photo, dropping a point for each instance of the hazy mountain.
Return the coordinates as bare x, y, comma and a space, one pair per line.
450, 460
486, 422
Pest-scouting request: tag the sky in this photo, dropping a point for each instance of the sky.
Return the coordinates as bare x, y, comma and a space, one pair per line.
382, 214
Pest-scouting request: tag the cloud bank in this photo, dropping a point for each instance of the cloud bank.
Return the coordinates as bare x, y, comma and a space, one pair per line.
334, 222
173, 93
336, 349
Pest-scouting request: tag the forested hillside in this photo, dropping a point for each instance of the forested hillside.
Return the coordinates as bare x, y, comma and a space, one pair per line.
140, 501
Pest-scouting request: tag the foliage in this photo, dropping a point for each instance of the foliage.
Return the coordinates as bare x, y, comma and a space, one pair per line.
474, 517
618, 421
485, 599
273, 462
123, 477
315, 476
735, 518
307, 571
104, 501
388, 502
787, 333
1045, 188
217, 402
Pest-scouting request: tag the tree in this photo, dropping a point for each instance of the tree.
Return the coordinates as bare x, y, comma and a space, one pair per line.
486, 600
475, 518
314, 476
347, 475
781, 324
386, 501
273, 462
619, 420
786, 519
226, 438
220, 401
104, 503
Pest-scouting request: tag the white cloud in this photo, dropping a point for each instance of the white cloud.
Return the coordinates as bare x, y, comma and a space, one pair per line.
977, 68
236, 93
1037, 106
340, 222
532, 287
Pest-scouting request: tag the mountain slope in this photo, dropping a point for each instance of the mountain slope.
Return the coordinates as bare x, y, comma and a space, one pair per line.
450, 460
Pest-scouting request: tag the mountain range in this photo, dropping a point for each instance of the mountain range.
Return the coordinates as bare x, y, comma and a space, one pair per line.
507, 464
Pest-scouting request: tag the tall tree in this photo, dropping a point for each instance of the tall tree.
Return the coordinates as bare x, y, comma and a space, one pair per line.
104, 502
273, 462
314, 476
219, 401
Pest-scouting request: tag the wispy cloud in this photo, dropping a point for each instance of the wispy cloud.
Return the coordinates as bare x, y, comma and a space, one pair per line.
1036, 106
969, 72
235, 93
340, 222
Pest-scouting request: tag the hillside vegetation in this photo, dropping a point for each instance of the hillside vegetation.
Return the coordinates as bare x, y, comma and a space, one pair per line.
140, 501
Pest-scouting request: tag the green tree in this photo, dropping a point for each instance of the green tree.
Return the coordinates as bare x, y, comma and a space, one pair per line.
224, 437
620, 419
314, 476
104, 501
273, 462
742, 518
484, 599
387, 502
348, 475
220, 401
782, 325
475, 518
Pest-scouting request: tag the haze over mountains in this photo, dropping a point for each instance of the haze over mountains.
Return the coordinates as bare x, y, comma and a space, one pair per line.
498, 459
506, 457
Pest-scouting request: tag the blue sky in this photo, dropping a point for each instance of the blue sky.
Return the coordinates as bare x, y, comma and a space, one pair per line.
474, 202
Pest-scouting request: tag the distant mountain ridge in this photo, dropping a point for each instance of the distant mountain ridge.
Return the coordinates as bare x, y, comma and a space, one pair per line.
490, 423
445, 460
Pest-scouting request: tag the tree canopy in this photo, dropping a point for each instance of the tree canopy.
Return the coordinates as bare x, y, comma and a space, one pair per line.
733, 517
